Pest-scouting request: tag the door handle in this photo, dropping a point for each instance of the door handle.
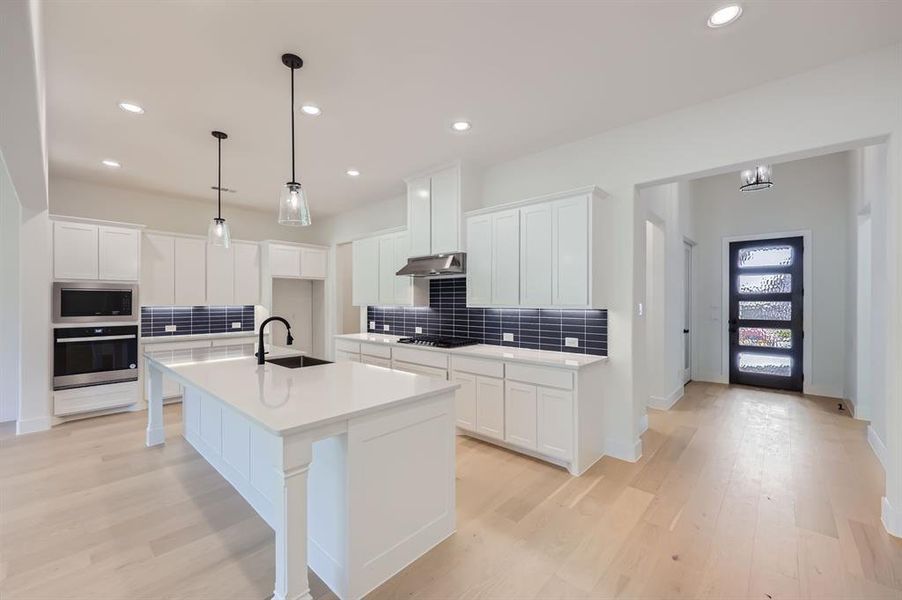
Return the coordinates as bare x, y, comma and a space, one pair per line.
685, 331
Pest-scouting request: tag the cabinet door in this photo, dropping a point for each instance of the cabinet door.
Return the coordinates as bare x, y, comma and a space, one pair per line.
555, 410
342, 356
190, 271
570, 252
445, 219
479, 260
403, 285
313, 263
220, 275
490, 407
118, 253
247, 273
387, 269
520, 414
535, 255
465, 400
506, 258
284, 261
365, 272
419, 216
157, 270
74, 250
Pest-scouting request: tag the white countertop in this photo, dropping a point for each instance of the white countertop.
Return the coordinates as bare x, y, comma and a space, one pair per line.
160, 339
287, 400
548, 358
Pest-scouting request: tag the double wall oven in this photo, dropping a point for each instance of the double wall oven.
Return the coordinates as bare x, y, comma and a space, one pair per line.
90, 347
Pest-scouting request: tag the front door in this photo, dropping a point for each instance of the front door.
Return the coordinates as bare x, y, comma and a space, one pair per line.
765, 323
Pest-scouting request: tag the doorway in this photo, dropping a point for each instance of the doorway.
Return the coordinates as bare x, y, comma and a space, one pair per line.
687, 312
765, 313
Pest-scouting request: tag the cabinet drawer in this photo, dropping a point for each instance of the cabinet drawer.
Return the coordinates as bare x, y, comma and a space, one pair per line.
95, 397
378, 350
419, 369
347, 346
379, 362
439, 360
557, 378
342, 356
479, 366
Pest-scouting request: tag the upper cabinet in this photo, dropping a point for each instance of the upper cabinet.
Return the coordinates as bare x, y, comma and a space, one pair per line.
85, 250
375, 261
435, 204
190, 271
539, 253
297, 262
247, 272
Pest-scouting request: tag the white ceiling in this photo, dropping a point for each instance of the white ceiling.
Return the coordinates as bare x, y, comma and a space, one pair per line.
391, 76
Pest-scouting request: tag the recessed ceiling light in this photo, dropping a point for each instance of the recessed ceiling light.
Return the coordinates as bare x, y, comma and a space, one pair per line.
131, 107
113, 164
461, 125
311, 109
724, 16
353, 173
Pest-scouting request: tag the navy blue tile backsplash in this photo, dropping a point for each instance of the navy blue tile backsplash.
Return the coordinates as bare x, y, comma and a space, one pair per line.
192, 320
538, 328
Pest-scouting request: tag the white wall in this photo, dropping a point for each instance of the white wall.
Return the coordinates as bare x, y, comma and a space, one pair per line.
10, 218
811, 194
74, 197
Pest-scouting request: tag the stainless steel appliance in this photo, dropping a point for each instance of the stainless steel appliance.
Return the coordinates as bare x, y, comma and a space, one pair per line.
439, 341
454, 263
93, 302
85, 356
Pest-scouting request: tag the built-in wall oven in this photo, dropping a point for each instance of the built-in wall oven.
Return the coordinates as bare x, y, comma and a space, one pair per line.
85, 356
93, 302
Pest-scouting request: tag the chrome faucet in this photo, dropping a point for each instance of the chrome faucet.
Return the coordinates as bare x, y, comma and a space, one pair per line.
261, 354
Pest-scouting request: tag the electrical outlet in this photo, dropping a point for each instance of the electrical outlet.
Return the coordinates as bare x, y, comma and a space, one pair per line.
170, 328
571, 342
236, 324
385, 328
508, 337
372, 324
641, 309
418, 330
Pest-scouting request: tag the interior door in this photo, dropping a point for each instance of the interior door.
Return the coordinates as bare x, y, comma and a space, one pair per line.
765, 324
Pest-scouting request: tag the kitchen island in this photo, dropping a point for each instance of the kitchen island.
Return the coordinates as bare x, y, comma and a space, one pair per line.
352, 465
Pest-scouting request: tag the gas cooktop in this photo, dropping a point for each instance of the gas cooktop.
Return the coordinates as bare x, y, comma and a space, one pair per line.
439, 341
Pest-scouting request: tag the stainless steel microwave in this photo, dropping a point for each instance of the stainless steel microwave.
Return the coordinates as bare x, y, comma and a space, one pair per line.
93, 302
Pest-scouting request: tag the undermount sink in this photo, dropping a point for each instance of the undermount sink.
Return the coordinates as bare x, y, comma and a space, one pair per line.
297, 362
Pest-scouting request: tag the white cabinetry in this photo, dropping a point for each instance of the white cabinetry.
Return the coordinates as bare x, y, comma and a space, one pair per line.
247, 273
375, 261
220, 275
465, 400
435, 204
158, 270
490, 407
556, 424
365, 272
387, 270
284, 260
119, 248
520, 414
538, 253
85, 250
190, 271
314, 263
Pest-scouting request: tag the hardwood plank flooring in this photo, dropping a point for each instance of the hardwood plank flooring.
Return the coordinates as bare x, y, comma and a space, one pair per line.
741, 493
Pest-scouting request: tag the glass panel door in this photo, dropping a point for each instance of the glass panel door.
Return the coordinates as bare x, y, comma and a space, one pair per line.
765, 323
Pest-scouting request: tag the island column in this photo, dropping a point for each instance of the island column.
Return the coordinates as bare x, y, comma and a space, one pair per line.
156, 435
290, 518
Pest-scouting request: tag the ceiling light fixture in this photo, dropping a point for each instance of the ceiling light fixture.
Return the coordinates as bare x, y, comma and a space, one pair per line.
353, 173
293, 207
461, 126
759, 178
131, 107
218, 233
113, 164
724, 16
311, 109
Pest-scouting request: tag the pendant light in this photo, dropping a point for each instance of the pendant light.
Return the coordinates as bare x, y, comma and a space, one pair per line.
759, 178
218, 233
293, 207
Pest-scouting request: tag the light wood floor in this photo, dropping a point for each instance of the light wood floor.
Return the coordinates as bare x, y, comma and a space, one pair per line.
740, 494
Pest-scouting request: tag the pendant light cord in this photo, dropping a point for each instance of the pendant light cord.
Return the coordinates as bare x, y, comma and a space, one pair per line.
219, 183
292, 125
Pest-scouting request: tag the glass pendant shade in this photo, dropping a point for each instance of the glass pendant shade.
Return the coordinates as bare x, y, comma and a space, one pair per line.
759, 178
293, 208
218, 233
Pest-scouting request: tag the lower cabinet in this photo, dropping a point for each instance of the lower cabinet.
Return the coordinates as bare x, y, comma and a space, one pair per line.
490, 407
345, 356
556, 424
465, 400
520, 414
375, 360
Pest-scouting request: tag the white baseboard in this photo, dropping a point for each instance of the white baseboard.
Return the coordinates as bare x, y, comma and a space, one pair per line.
623, 449
827, 392
643, 423
711, 378
34, 425
891, 517
877, 446
666, 403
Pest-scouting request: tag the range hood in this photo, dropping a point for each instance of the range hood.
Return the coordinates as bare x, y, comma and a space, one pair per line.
454, 263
